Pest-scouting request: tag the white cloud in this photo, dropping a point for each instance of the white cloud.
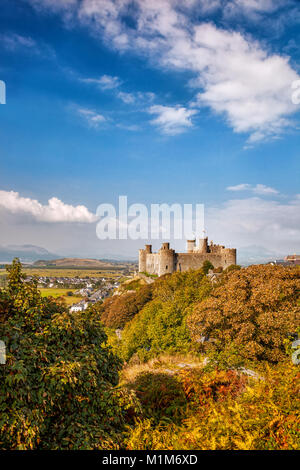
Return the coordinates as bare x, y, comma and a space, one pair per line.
147, 95
243, 82
93, 118
171, 120
127, 98
249, 6
17, 43
239, 187
209, 6
129, 127
257, 189
13, 41
235, 75
257, 221
138, 97
251, 9
262, 189
106, 82
55, 5
54, 211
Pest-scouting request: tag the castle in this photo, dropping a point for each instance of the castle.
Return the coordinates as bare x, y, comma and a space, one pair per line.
167, 260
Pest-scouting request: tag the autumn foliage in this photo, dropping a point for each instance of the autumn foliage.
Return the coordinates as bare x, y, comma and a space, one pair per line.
61, 386
57, 386
116, 311
160, 394
199, 387
226, 410
160, 325
255, 308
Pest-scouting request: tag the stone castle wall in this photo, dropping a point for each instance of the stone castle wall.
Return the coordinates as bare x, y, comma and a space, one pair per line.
167, 260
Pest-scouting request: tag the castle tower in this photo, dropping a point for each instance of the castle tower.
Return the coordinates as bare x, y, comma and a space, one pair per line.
166, 260
142, 261
203, 245
229, 257
190, 245
143, 258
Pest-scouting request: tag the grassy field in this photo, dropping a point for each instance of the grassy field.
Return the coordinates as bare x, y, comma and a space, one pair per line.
57, 292
69, 272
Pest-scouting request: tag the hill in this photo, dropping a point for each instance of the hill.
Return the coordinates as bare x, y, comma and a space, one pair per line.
78, 262
181, 363
26, 253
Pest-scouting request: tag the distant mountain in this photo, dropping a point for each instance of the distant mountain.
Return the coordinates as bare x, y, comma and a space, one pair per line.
26, 253
78, 262
119, 258
254, 254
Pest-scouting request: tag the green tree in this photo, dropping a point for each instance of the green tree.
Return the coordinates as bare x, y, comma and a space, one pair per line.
232, 267
57, 387
254, 309
14, 277
207, 265
116, 311
161, 324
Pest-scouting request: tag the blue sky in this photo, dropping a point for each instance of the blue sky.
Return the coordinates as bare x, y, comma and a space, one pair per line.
164, 101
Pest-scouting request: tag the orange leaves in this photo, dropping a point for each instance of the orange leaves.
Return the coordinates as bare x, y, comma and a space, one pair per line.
160, 394
256, 307
118, 310
200, 386
279, 429
227, 410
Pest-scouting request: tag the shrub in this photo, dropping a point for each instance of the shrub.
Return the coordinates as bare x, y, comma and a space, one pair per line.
57, 385
207, 265
200, 386
255, 308
118, 310
160, 394
218, 270
230, 412
160, 326
232, 267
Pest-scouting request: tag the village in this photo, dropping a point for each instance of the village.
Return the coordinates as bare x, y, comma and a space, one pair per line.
90, 289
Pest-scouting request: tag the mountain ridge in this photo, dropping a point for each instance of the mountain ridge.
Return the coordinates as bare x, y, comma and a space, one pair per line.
26, 253
78, 262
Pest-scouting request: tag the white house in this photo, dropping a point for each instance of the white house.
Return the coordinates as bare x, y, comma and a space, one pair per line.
80, 307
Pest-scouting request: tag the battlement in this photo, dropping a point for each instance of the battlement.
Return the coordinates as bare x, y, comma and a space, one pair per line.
166, 260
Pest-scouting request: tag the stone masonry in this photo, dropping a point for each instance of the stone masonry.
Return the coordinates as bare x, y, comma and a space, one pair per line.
167, 260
